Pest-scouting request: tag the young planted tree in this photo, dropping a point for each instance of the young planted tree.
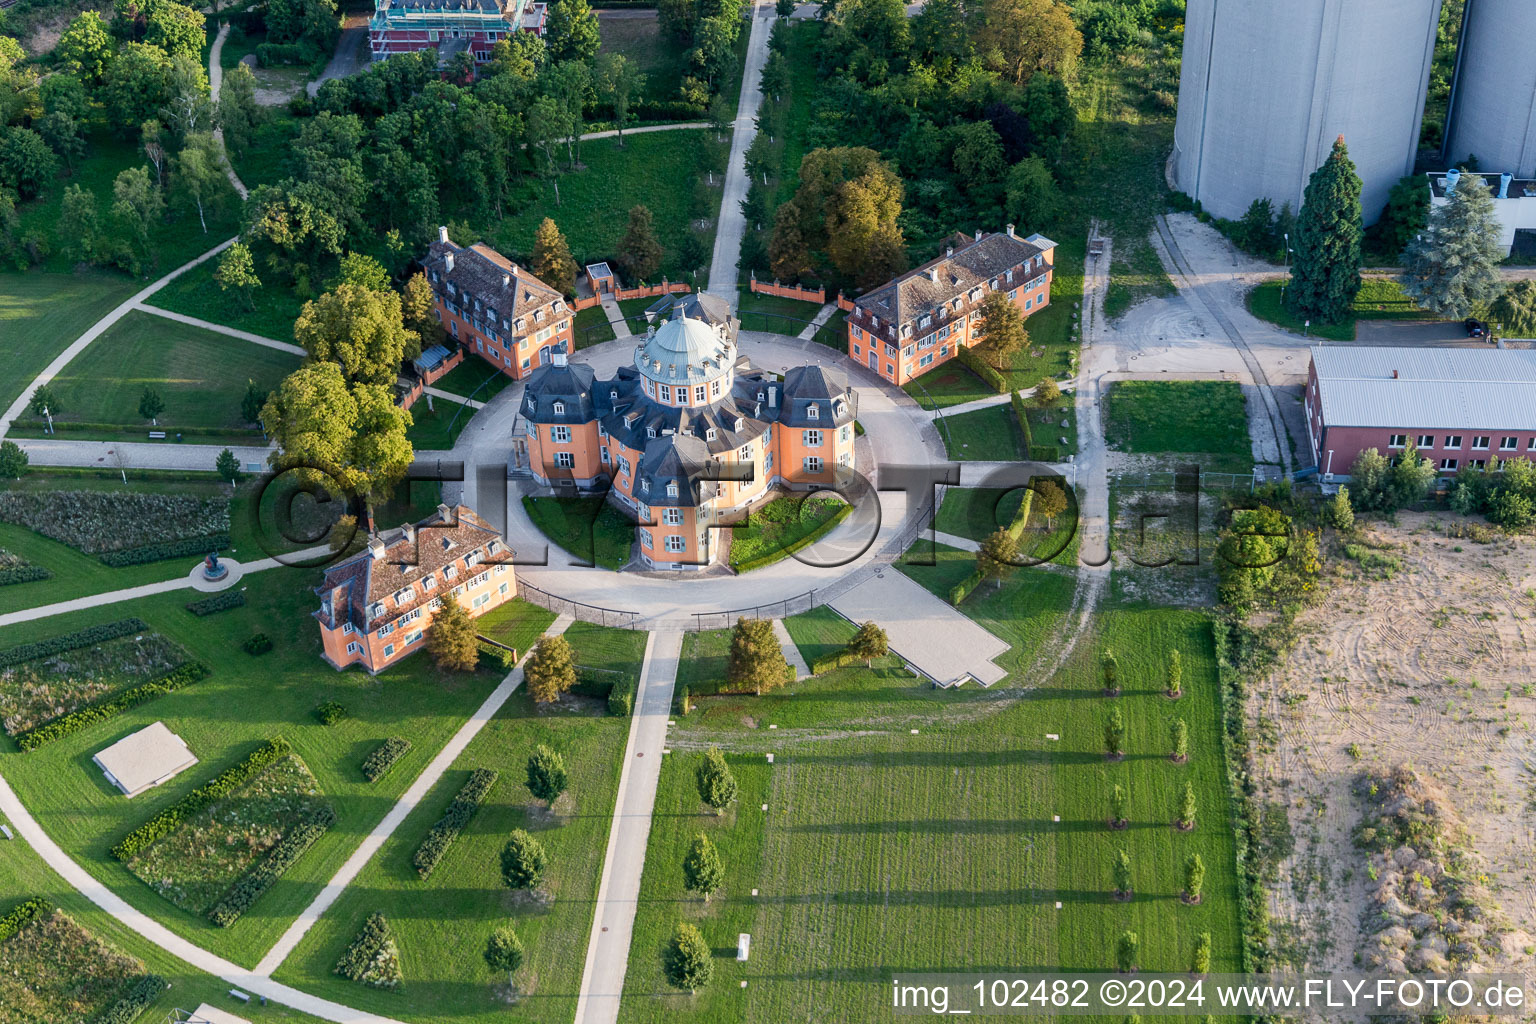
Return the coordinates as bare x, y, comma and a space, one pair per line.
618, 80
1109, 671
1047, 393
1338, 512
550, 669
237, 272
1515, 310
504, 952
523, 861
1194, 878
1184, 820
1118, 805
13, 461
757, 660
151, 405
1122, 875
687, 960
1200, 962
1126, 948
252, 402
721, 117
1114, 734
227, 465
1002, 328
717, 786
552, 261
1325, 275
998, 557
1175, 687
451, 638
44, 397
546, 774
1452, 266
1178, 741
1050, 501
869, 642
639, 251
702, 871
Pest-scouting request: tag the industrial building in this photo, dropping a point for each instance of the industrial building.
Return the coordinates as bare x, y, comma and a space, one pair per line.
1493, 104
1514, 203
1265, 89
450, 26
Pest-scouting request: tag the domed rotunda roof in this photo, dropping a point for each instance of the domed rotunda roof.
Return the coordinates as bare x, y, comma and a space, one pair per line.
684, 351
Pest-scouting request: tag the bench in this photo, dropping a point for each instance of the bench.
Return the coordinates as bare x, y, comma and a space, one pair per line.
157, 435
5, 830
244, 997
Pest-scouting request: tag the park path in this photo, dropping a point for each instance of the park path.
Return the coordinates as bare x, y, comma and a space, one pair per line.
99, 328
209, 325
618, 892
723, 273
215, 82
615, 317
408, 802
822, 316
791, 649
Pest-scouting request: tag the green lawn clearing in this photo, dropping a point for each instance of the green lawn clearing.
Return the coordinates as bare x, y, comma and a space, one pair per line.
819, 633
609, 650
785, 524
518, 624
1380, 298
649, 50
1194, 416
435, 425
775, 314
270, 313
41, 314
834, 333
441, 924
201, 377
592, 327
589, 528
474, 378
984, 435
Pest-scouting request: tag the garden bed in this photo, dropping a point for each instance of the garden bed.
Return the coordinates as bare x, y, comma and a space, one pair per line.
44, 688
52, 969
197, 863
782, 526
97, 522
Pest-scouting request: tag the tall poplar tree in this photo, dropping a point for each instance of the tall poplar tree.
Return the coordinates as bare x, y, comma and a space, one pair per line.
1326, 272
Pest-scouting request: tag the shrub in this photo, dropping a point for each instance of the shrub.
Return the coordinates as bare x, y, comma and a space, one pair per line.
835, 660
1044, 453
783, 551
372, 958
102, 521
448, 827
88, 637
547, 777
217, 603
330, 712
494, 656
245, 892
1021, 414
110, 706
226, 783
20, 915
621, 699
23, 574
377, 764
185, 548
960, 591
979, 367
257, 645
134, 1002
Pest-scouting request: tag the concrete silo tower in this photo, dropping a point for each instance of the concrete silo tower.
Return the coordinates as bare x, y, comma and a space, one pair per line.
1267, 85
1493, 109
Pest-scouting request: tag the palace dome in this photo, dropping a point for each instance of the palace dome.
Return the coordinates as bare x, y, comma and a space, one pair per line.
684, 351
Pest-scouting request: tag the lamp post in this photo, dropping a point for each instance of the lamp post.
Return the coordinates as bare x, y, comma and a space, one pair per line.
1287, 282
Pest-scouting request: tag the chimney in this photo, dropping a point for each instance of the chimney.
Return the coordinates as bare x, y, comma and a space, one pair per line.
446, 515
1452, 176
506, 280
448, 262
978, 234
1394, 375
408, 533
949, 251
1010, 231
1505, 180
557, 359
773, 396
376, 546
933, 274
442, 233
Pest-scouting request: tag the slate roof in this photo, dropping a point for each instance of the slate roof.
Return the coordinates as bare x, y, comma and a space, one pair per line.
1445, 388
915, 293
480, 272
823, 387
678, 459
572, 385
683, 350
711, 309
409, 555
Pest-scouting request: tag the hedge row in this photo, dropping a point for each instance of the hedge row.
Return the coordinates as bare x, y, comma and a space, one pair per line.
184, 548
1021, 414
88, 637
23, 574
835, 660
447, 829
621, 699
1045, 453
492, 655
217, 603
226, 783
377, 764
789, 549
138, 998
979, 367
249, 887
960, 591
111, 706
18, 916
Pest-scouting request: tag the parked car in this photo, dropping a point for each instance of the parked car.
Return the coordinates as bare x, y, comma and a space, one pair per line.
1475, 327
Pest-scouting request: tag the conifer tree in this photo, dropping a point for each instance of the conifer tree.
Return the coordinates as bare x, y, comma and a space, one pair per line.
702, 871
451, 638
552, 261
717, 786
1194, 878
1122, 875
1326, 272
1178, 740
1451, 267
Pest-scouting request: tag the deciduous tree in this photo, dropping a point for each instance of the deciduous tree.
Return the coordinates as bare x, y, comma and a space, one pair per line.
79, 225
997, 557
1175, 673
1118, 804
27, 164
237, 272
1032, 194
1178, 740
85, 48
757, 660
1325, 275
1515, 310
1126, 948
151, 405
869, 642
1002, 328
197, 172
504, 952
1200, 962
238, 112
1122, 874
1049, 501
571, 30
13, 461
1194, 878
1185, 818
550, 669
359, 329
618, 80
1022, 37
137, 206
1338, 512
1114, 734
135, 85
451, 638
418, 308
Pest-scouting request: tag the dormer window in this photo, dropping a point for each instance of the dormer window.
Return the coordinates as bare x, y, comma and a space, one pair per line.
906, 330
1009, 276
813, 412
538, 316
842, 408
521, 323
559, 408
493, 547
645, 485
650, 431
447, 544
405, 594
450, 571
376, 609
740, 423
530, 403
672, 490
709, 435
925, 321
428, 582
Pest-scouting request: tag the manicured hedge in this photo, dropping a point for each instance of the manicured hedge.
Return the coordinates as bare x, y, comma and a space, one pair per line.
377, 764
18, 916
23, 574
249, 887
828, 662
979, 367
111, 706
217, 603
493, 656
621, 699
806, 541
1044, 453
88, 637
184, 548
138, 999
960, 591
330, 712
230, 780
1021, 413
447, 829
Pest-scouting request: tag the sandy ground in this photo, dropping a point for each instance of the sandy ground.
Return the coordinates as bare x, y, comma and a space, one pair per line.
1430, 667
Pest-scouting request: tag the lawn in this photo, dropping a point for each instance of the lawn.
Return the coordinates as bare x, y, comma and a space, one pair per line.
976, 512
608, 649
201, 376
273, 307
834, 333
245, 701
518, 624
474, 378
441, 924
659, 171
984, 435
1194, 416
775, 314
592, 327
41, 314
589, 528
649, 51
785, 524
883, 852
1380, 298
436, 423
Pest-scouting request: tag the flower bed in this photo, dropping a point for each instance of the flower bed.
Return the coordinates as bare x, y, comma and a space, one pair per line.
15, 569
54, 685
111, 706
51, 969
372, 958
197, 863
100, 521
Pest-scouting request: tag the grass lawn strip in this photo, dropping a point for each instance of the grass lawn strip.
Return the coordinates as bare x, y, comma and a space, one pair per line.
270, 313
52, 969
194, 865
518, 624
984, 435
436, 424
592, 327
1379, 298
42, 314
590, 528
474, 378
36, 691
784, 524
1197, 417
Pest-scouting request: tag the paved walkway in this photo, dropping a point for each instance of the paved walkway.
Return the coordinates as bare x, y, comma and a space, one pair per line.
351, 53
615, 317
99, 328
407, 803
618, 893
808, 332
208, 325
956, 541
932, 636
53, 451
723, 272
215, 82
791, 650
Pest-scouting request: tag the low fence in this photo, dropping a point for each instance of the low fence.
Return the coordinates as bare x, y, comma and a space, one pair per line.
576, 609
789, 291
623, 294
1165, 480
